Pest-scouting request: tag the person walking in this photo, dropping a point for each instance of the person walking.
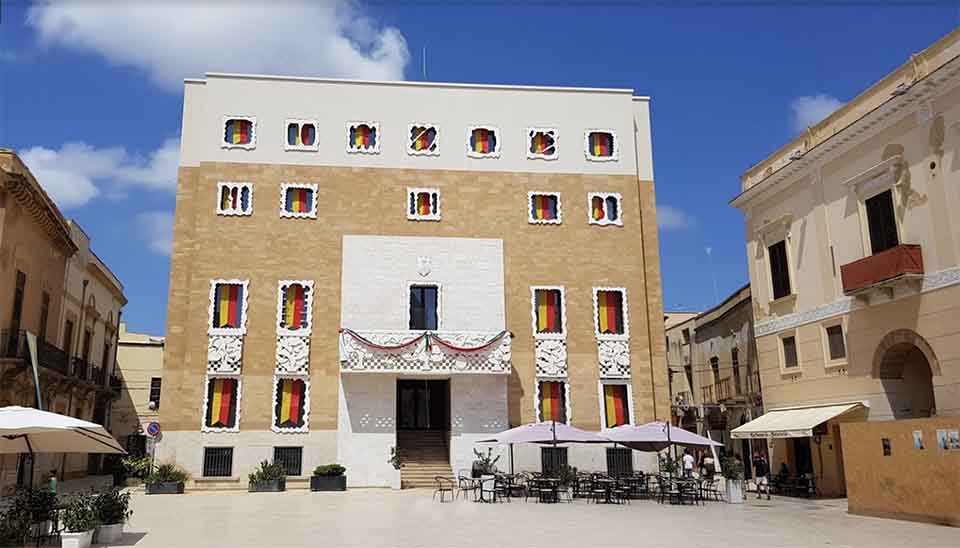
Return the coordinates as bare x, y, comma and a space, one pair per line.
688, 461
761, 469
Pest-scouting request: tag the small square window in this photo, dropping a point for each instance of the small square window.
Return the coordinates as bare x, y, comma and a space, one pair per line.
363, 137
604, 208
234, 198
542, 143
217, 462
301, 135
298, 201
294, 307
616, 405
423, 204
548, 310
610, 311
790, 359
222, 404
155, 387
423, 140
239, 132
424, 307
601, 145
228, 306
290, 458
553, 401
835, 344
483, 142
544, 208
290, 404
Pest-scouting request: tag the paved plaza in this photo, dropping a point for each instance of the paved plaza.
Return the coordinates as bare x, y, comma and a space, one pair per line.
383, 518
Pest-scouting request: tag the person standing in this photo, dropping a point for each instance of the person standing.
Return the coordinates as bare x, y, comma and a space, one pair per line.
761, 469
688, 461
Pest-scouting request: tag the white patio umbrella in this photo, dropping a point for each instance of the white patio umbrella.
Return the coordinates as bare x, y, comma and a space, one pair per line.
546, 432
28, 430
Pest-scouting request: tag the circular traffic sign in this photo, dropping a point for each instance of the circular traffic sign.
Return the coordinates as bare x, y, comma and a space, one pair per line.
153, 429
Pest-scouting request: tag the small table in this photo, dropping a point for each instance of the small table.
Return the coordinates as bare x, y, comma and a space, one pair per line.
548, 489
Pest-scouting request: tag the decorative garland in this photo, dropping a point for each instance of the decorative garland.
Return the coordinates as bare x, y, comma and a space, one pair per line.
424, 336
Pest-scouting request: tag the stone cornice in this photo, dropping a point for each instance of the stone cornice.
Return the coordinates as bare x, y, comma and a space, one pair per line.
31, 196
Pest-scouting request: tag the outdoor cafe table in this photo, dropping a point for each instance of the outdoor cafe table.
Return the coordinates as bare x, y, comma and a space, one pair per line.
607, 486
548, 491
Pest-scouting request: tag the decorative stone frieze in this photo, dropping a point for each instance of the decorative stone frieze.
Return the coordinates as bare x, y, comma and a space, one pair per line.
551, 357
293, 355
415, 352
614, 359
224, 354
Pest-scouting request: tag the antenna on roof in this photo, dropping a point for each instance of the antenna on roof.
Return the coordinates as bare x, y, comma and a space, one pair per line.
424, 63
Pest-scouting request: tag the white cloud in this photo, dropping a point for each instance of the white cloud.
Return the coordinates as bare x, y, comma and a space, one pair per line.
78, 172
810, 109
157, 228
174, 40
671, 218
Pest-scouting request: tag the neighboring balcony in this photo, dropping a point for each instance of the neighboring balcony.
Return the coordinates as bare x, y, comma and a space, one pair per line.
13, 345
423, 352
882, 271
744, 388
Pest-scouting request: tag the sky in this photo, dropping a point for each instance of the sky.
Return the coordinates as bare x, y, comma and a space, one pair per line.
91, 95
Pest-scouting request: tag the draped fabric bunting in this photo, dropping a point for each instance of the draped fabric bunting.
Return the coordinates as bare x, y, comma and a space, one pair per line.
301, 134
615, 404
299, 200
423, 138
542, 142
428, 337
363, 137
548, 311
290, 399
234, 197
610, 312
238, 132
294, 306
483, 141
221, 403
228, 306
543, 207
553, 406
601, 144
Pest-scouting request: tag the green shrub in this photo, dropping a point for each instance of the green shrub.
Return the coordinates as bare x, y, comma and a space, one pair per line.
330, 470
113, 507
14, 527
80, 514
485, 464
267, 472
167, 473
732, 469
138, 467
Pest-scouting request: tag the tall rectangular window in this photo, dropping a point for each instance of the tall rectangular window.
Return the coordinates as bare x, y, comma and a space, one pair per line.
715, 369
882, 221
105, 360
610, 312
616, 405
779, 269
548, 310
217, 462
18, 296
789, 352
155, 386
838, 350
290, 403
619, 462
735, 364
290, 458
44, 316
295, 306
68, 337
553, 401
85, 350
423, 307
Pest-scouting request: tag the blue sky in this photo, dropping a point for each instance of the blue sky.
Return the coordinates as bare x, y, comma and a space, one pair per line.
729, 85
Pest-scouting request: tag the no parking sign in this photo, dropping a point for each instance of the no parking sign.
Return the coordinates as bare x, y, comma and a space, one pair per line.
153, 429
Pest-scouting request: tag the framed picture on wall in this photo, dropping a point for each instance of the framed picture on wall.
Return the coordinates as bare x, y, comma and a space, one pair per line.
918, 440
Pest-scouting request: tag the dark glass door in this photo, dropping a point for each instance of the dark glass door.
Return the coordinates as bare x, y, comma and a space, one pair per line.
423, 404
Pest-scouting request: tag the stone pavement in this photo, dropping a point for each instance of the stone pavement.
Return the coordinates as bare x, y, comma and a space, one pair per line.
383, 518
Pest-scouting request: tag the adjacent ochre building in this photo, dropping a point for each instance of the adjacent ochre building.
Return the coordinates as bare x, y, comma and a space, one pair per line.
363, 267
140, 365
853, 243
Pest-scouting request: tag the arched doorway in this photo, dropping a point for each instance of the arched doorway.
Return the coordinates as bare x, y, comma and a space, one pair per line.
905, 364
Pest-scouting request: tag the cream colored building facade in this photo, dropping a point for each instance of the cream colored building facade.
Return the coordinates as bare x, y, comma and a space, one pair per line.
853, 246
140, 366
456, 246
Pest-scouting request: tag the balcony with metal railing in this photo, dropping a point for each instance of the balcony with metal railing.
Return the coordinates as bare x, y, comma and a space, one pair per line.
13, 345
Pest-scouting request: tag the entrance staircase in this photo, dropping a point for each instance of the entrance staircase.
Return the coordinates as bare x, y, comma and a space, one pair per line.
424, 454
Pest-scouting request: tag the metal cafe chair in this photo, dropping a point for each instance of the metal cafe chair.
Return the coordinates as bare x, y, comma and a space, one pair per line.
443, 486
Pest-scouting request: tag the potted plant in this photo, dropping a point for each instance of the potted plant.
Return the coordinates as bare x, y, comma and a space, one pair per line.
166, 479
328, 477
79, 519
268, 478
484, 465
14, 527
36, 506
733, 486
113, 510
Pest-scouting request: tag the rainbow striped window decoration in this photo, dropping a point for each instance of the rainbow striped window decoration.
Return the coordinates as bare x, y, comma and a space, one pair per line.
294, 307
423, 204
422, 140
548, 310
298, 201
239, 132
222, 404
616, 405
604, 208
234, 198
228, 307
542, 143
301, 135
553, 401
483, 142
601, 145
363, 137
544, 208
290, 404
610, 311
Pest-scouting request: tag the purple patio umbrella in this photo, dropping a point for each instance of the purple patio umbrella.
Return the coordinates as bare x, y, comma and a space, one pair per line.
655, 436
551, 432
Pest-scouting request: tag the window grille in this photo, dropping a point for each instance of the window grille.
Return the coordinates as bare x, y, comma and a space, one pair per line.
552, 459
217, 462
291, 458
619, 462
